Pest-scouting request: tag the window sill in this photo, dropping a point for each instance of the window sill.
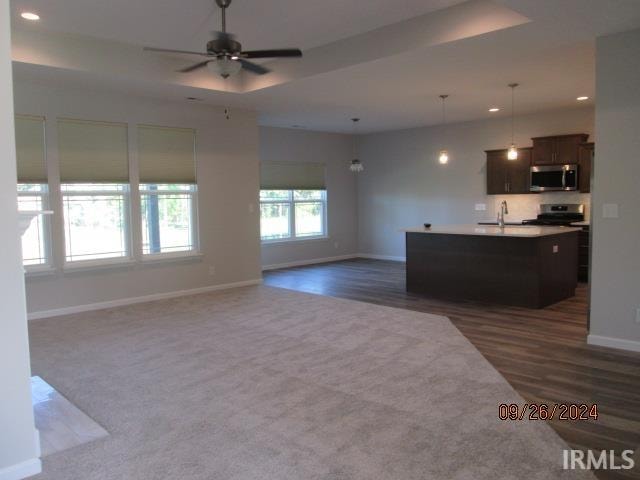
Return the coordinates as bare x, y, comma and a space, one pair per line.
97, 265
322, 238
39, 271
88, 265
151, 259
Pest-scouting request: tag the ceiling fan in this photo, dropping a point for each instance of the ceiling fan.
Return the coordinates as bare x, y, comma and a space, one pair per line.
224, 54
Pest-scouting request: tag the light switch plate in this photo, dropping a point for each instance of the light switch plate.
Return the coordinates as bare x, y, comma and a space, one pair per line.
481, 207
556, 249
637, 315
610, 210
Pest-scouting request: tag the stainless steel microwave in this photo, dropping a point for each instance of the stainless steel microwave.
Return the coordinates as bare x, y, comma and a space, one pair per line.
547, 178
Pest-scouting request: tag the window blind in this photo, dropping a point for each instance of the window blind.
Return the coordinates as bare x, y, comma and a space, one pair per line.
166, 154
30, 149
292, 176
92, 152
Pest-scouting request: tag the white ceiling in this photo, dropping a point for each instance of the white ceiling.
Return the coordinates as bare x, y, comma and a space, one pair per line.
185, 24
390, 77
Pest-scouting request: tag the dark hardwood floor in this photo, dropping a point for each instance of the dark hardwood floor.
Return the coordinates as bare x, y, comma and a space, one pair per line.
542, 353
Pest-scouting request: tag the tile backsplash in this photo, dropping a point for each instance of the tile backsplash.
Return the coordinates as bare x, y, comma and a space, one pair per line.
522, 207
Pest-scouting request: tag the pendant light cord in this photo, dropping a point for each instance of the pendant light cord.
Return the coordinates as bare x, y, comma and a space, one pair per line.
513, 89
444, 116
512, 113
355, 129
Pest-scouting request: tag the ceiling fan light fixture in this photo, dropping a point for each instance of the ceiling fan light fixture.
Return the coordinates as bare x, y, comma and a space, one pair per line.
224, 66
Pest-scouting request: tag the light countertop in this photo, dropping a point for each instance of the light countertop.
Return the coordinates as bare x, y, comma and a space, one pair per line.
526, 231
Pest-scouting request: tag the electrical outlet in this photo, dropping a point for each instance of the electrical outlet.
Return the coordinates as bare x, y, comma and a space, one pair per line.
556, 249
212, 269
252, 208
481, 207
637, 315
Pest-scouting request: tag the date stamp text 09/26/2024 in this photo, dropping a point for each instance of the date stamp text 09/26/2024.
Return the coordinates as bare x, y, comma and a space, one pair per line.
544, 411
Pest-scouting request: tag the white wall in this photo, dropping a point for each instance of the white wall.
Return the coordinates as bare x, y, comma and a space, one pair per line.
228, 172
403, 185
18, 444
335, 151
615, 287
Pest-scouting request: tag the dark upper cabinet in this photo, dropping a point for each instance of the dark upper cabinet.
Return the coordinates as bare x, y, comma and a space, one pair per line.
558, 149
506, 176
585, 163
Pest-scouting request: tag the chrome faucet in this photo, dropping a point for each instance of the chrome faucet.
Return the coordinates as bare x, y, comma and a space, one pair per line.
504, 210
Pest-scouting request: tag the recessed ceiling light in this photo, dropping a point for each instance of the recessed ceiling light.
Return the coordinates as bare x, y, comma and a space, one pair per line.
581, 99
494, 109
30, 16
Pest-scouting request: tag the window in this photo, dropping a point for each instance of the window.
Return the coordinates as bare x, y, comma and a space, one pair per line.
166, 163
34, 240
33, 193
168, 218
292, 214
95, 220
94, 176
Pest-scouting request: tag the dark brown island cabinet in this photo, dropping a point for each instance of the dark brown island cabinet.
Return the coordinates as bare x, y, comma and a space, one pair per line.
523, 266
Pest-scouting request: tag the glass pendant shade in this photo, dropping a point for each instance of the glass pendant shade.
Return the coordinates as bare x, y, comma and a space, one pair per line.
443, 157
356, 165
512, 153
224, 66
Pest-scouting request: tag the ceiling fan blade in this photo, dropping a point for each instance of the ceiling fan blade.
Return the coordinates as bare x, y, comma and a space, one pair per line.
253, 67
194, 67
168, 50
286, 52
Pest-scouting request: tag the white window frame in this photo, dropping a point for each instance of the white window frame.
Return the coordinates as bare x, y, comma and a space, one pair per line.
46, 226
292, 202
195, 237
125, 193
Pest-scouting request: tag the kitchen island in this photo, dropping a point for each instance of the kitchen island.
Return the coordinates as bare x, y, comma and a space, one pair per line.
526, 266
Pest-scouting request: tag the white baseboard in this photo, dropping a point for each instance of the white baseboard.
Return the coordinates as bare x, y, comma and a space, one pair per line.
308, 262
620, 343
373, 256
132, 300
21, 470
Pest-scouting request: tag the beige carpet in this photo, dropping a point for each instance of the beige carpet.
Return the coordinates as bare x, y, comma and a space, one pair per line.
271, 384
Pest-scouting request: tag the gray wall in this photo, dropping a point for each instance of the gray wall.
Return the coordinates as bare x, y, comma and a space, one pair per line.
228, 172
615, 288
335, 151
18, 448
403, 185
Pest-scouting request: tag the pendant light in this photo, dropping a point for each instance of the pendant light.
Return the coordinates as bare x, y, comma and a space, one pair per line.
512, 153
443, 156
356, 165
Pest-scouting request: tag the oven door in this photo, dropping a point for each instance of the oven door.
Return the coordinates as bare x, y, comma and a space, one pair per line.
546, 178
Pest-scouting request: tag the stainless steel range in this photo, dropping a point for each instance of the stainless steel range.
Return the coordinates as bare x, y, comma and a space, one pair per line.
559, 214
